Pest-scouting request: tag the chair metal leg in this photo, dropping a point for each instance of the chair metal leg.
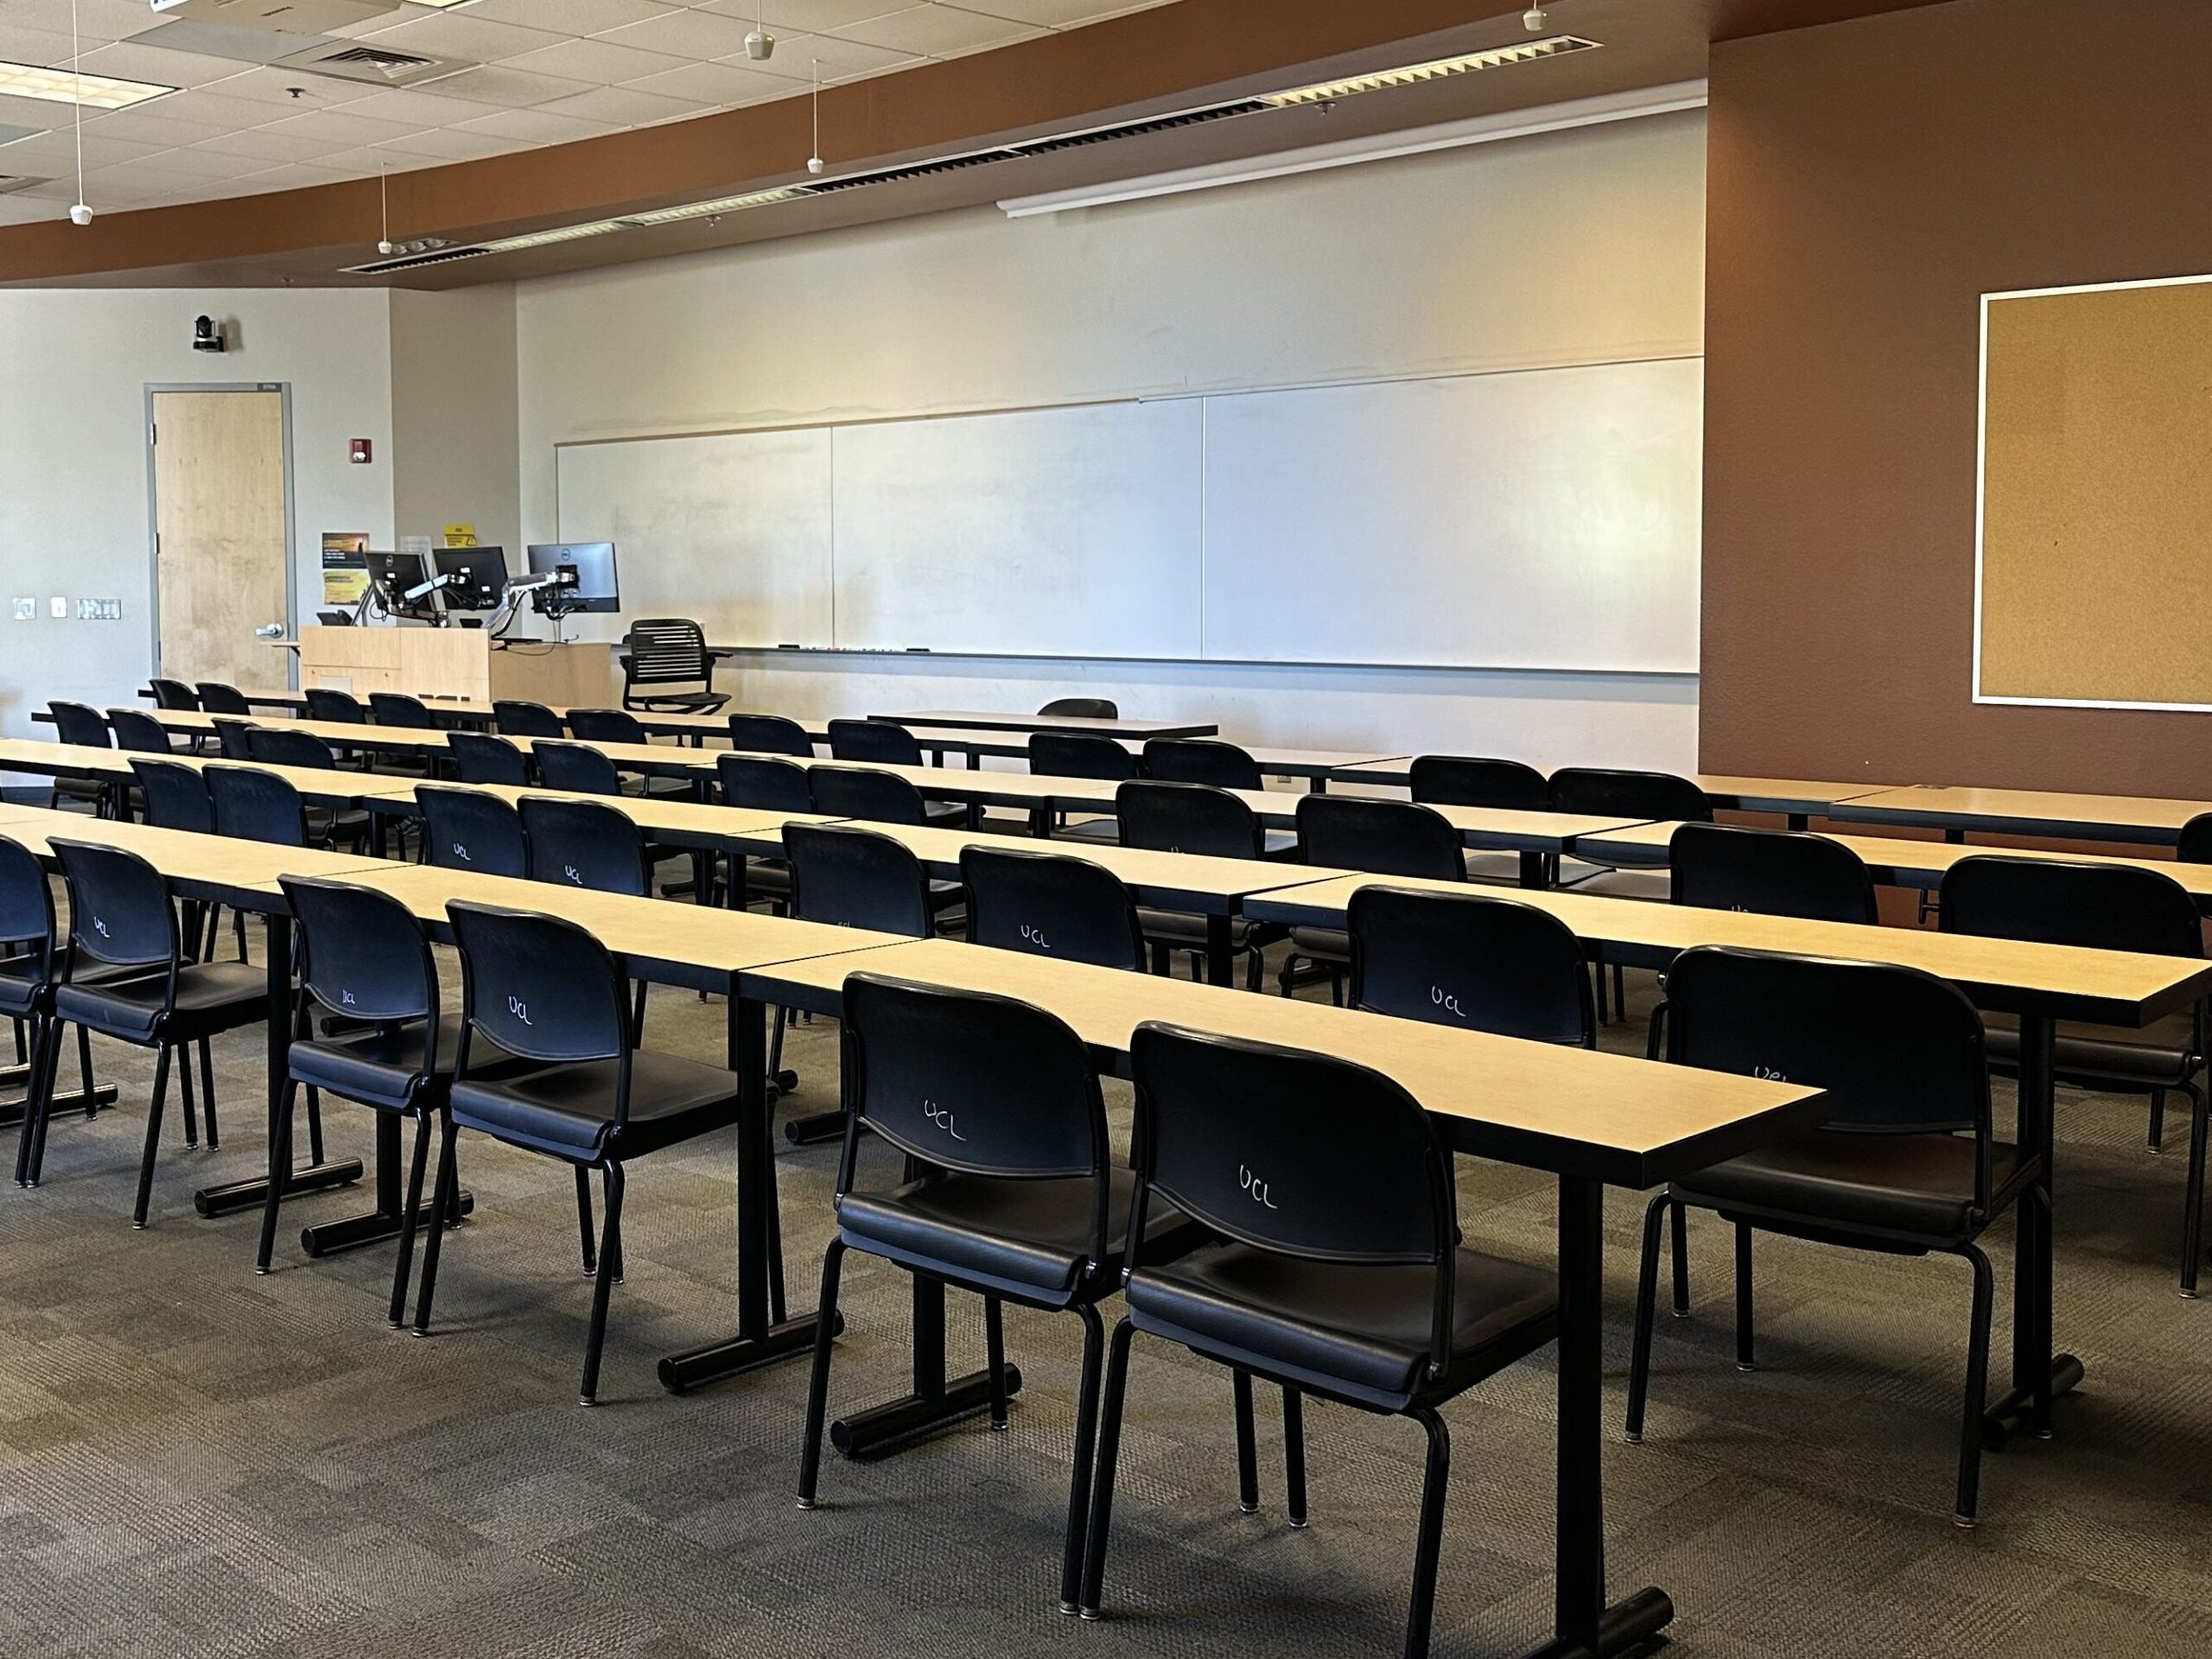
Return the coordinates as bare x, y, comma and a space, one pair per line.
637, 1015
1109, 1455
583, 1221
1086, 1444
153, 1137
442, 1200
1620, 989
2158, 1136
43, 1034
2192, 1216
610, 1255
1429, 1544
84, 1070
410, 1215
207, 1094
280, 1170
1248, 1457
1966, 1508
1293, 1452
191, 1112
40, 1106
994, 1358
817, 1387
1647, 1300
314, 1125
1746, 1360
611, 1264
1599, 977
1682, 1232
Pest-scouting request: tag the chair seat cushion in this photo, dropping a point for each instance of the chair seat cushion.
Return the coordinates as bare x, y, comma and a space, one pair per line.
1909, 1185
1186, 929
569, 1110
382, 1067
2159, 1055
675, 702
1358, 1331
1321, 944
20, 993
1025, 1238
211, 997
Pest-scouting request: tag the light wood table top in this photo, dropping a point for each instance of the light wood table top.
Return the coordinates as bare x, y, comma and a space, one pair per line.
691, 822
2109, 987
209, 863
344, 788
1605, 1116
2027, 813
987, 719
1727, 791
339, 734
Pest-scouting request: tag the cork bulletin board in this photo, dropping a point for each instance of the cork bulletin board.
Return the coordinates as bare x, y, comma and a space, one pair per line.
2092, 578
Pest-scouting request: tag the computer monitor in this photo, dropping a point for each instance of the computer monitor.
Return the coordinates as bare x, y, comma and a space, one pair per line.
595, 588
393, 575
479, 573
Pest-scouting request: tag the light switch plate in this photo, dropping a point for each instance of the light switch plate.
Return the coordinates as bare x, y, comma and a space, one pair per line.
26, 609
60, 607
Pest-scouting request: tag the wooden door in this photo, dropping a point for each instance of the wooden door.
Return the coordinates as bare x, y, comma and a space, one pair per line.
220, 551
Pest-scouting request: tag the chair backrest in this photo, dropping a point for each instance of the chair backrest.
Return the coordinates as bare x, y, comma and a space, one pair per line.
856, 878
605, 726
584, 844
235, 739
1469, 960
1352, 832
480, 758
81, 724
176, 795
1303, 1155
770, 735
26, 902
1187, 818
328, 702
252, 804
138, 731
1897, 1050
968, 1081
468, 829
1080, 754
1050, 905
1654, 797
542, 988
398, 708
119, 909
1773, 871
515, 717
881, 741
285, 746
863, 792
1083, 708
1473, 780
217, 697
172, 694
2056, 901
663, 649
362, 954
1201, 760
764, 786
2195, 846
572, 766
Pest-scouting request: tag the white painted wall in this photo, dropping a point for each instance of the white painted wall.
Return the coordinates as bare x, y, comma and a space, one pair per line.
1576, 247
453, 415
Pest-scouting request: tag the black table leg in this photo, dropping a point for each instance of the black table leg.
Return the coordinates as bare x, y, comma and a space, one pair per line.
328, 1238
1584, 1626
1535, 871
760, 1340
1220, 960
935, 1401
2038, 1375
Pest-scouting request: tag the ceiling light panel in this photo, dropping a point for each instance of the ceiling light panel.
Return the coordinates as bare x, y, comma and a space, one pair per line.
546, 238
1435, 69
707, 209
69, 87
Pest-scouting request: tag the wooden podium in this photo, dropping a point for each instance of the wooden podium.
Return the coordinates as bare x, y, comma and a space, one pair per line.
463, 663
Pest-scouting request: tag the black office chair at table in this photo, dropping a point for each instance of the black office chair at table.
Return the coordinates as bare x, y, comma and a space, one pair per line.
1081, 709
1079, 754
539, 989
1469, 961
172, 694
468, 829
1352, 832
662, 655
881, 743
579, 769
875, 796
174, 796
1905, 1162
2100, 907
217, 698
253, 804
515, 717
30, 968
85, 727
1210, 823
137, 732
480, 758
1352, 1287
767, 786
1051, 905
401, 711
327, 703
586, 844
617, 725
1477, 780
1631, 796
770, 735
1218, 765
1010, 1191
283, 746
235, 738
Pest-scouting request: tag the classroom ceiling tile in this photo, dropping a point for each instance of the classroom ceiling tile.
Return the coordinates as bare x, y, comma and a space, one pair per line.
56, 151
505, 87
212, 108
39, 45
843, 59
452, 144
27, 209
206, 163
724, 84
461, 35
687, 34
267, 145
596, 62
422, 109
621, 107
573, 16
813, 16
534, 127
153, 124
344, 128
937, 30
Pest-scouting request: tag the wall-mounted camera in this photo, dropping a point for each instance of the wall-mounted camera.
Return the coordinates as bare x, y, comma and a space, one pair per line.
207, 335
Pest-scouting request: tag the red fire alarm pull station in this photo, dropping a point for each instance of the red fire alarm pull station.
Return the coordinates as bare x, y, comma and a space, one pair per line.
360, 452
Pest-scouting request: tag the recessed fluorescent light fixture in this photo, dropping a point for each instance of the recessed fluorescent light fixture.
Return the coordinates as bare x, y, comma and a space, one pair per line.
723, 205
1435, 69
61, 87
546, 238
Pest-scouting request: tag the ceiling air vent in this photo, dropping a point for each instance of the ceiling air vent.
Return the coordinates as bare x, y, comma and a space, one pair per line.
415, 261
374, 66
1138, 129
11, 182
913, 170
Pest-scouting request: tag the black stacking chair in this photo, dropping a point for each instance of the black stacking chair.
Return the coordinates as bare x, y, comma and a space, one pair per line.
468, 829
2195, 843
1201, 760
660, 656
876, 797
1212, 824
396, 709
175, 797
172, 694
584, 844
137, 732
881, 743
234, 739
1082, 709
285, 746
1050, 905
123, 920
1081, 754
1645, 797
770, 735
513, 717
1352, 832
606, 726
83, 726
1469, 960
1905, 1161
480, 757
1473, 780
30, 968
2100, 907
1011, 1193
539, 989
327, 703
252, 803
1351, 1285
217, 698
576, 768
767, 787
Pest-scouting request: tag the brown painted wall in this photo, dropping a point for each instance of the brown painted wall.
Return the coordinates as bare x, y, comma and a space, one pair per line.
1867, 182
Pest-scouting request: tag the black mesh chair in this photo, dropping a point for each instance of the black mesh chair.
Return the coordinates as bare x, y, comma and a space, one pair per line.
584, 844
217, 698
1469, 960
1050, 905
285, 746
1905, 1161
1336, 1269
1212, 824
234, 739
137, 732
398, 709
606, 726
480, 757
1011, 1194
1352, 832
126, 978
1474, 780
2100, 907
1201, 760
770, 735
1080, 754
30, 968
252, 803
1082, 709
882, 743
327, 703
85, 727
542, 989
172, 694
767, 787
660, 657
468, 829
514, 717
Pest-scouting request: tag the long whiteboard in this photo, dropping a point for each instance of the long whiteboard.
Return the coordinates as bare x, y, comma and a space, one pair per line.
1535, 519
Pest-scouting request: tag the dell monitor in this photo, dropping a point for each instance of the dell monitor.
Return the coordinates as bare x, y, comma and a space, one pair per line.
594, 588
394, 576
479, 576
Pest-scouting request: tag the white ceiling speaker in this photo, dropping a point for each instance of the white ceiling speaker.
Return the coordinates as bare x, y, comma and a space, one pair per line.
760, 45
1533, 19
80, 215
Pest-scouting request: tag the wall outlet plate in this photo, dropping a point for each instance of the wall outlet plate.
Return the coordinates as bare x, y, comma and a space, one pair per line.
26, 609
60, 607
